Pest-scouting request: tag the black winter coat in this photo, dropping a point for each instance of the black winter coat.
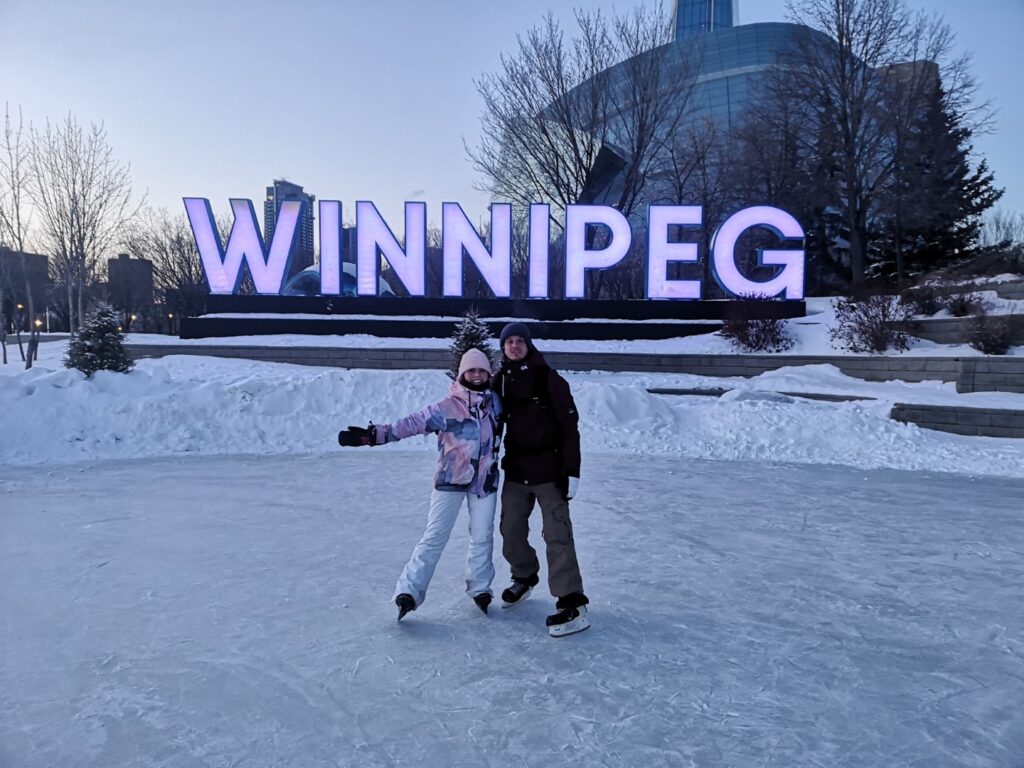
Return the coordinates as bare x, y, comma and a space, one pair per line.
541, 425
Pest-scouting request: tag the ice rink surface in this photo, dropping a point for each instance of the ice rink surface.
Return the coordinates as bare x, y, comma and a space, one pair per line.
235, 610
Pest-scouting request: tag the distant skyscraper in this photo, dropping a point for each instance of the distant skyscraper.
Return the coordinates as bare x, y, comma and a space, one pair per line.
277, 194
695, 17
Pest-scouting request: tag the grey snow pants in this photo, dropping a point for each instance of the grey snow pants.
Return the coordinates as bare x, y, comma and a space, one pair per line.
517, 502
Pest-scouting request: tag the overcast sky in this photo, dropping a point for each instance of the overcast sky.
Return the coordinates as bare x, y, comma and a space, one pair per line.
351, 99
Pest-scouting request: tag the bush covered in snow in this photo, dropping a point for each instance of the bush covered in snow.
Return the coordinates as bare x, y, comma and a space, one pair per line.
871, 324
923, 299
469, 333
962, 303
99, 346
989, 334
758, 334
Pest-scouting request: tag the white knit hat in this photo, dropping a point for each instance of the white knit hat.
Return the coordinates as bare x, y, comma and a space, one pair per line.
474, 358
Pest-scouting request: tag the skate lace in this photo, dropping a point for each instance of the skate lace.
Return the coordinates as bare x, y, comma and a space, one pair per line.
518, 589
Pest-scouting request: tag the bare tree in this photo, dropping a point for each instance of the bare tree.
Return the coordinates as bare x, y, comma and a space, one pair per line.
586, 120
83, 197
540, 133
168, 242
653, 98
1003, 229
15, 215
698, 169
853, 101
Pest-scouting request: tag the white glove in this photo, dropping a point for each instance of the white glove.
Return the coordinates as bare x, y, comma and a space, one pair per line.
574, 486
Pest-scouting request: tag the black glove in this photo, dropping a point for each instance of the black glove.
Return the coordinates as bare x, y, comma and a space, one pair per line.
356, 436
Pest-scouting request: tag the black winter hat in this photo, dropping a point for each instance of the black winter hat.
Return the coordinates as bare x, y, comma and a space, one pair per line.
516, 329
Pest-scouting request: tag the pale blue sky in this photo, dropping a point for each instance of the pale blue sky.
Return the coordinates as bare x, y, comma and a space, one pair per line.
353, 100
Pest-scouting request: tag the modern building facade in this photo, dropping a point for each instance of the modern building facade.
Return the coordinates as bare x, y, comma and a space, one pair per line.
13, 290
716, 66
130, 285
695, 17
281, 191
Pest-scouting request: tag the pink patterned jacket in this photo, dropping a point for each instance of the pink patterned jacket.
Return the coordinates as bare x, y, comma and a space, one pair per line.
465, 423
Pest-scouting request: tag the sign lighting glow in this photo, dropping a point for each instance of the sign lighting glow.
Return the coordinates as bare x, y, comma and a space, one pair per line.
375, 239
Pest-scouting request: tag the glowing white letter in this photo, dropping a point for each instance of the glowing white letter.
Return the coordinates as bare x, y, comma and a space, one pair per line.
577, 258
789, 281
540, 239
330, 247
660, 251
458, 234
224, 267
373, 233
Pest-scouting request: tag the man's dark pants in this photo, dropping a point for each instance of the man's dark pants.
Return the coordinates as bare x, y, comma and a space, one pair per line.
517, 502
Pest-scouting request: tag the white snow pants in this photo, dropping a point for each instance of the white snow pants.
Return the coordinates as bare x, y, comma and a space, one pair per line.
444, 511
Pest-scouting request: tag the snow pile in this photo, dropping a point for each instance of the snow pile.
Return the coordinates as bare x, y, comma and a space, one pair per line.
181, 405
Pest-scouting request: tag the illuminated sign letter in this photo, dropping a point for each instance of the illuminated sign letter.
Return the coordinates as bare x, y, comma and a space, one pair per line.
660, 251
789, 281
540, 240
458, 234
578, 259
330, 247
372, 233
223, 267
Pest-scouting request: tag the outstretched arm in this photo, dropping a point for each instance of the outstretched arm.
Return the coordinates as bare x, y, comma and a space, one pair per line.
430, 419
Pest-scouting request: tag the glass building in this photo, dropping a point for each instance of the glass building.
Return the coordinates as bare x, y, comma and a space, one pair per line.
695, 17
716, 65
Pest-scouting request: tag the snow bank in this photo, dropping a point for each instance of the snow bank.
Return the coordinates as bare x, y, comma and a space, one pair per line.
183, 405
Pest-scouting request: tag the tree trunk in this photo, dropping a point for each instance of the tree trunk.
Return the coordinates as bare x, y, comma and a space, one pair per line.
856, 258
33, 344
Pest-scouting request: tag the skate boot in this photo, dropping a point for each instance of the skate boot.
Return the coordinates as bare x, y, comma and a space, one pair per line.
405, 604
568, 621
482, 601
515, 594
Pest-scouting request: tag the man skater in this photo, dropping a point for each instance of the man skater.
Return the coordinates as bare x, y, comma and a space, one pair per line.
541, 463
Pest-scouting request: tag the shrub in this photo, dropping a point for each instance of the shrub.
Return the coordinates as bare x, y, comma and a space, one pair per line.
962, 303
470, 332
989, 334
871, 324
923, 299
99, 345
755, 334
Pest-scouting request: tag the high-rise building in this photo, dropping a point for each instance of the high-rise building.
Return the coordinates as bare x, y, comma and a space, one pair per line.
695, 17
278, 193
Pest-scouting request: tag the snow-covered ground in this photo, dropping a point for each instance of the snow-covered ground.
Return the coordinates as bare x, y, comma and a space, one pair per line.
193, 573
235, 610
181, 404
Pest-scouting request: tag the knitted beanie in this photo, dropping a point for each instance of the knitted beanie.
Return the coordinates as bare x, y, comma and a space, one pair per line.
516, 329
474, 358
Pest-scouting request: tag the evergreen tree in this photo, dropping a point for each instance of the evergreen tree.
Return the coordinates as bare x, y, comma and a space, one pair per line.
470, 332
939, 193
99, 345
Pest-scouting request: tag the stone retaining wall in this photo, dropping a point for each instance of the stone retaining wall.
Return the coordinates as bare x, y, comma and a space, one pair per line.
970, 374
954, 330
988, 422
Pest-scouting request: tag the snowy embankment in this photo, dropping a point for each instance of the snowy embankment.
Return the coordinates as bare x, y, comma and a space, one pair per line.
184, 405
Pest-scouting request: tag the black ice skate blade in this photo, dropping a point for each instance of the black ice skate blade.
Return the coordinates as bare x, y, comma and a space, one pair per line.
402, 613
